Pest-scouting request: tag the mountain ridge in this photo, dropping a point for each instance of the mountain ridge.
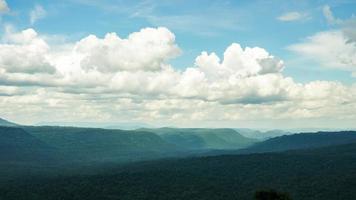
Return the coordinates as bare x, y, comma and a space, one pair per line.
203, 138
4, 122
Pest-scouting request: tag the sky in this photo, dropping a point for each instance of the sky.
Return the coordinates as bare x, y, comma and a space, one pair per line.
249, 63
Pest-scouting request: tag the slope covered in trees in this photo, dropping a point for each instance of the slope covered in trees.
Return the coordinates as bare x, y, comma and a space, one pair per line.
302, 141
103, 145
4, 122
202, 138
317, 174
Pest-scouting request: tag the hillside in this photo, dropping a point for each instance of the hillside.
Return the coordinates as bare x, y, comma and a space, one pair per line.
18, 145
302, 141
103, 145
4, 122
261, 135
201, 138
317, 174
106, 145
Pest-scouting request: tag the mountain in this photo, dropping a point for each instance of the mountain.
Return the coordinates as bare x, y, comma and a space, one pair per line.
302, 141
275, 133
4, 122
250, 133
87, 145
315, 174
18, 145
103, 145
203, 138
105, 125
261, 135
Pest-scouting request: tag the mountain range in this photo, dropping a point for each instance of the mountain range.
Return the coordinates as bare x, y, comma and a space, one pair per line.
202, 138
50, 162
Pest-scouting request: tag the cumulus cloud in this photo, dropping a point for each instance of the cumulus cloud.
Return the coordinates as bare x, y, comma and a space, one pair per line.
114, 78
3, 7
146, 50
242, 62
24, 52
292, 16
37, 13
238, 77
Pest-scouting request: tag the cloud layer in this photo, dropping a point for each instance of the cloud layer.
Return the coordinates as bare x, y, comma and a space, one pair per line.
123, 79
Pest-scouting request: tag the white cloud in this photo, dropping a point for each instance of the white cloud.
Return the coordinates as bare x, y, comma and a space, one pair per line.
3, 7
24, 52
330, 16
292, 16
349, 30
239, 77
333, 48
330, 48
37, 13
9, 91
145, 50
115, 79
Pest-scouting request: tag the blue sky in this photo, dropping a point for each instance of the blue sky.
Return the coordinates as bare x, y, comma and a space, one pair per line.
198, 25
248, 63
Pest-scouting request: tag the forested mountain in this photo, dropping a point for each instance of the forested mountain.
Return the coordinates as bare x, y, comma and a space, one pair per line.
261, 135
103, 145
18, 145
202, 138
316, 174
302, 141
89, 163
4, 122
106, 145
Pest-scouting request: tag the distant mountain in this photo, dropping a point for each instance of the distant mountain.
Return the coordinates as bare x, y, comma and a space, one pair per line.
106, 125
85, 145
302, 141
103, 145
250, 133
128, 126
4, 122
309, 130
261, 135
203, 138
18, 145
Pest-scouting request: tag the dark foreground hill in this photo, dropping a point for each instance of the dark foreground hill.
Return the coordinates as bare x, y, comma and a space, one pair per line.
316, 174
